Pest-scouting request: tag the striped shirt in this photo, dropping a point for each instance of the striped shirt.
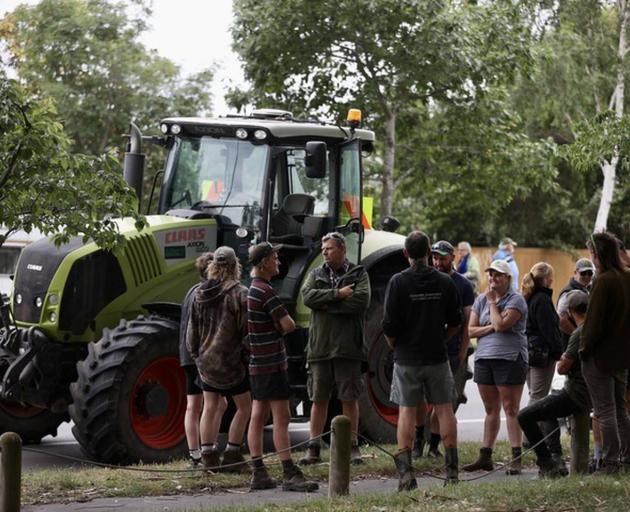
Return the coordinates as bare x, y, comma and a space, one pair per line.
264, 311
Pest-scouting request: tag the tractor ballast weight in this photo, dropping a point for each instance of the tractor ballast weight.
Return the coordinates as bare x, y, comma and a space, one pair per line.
95, 334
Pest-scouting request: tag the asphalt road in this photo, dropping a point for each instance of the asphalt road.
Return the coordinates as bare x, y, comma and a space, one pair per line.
470, 428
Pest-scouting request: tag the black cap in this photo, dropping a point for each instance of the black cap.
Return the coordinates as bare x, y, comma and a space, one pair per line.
260, 251
443, 248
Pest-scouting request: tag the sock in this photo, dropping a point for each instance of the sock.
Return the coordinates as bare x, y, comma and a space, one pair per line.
233, 447
257, 462
208, 447
287, 466
195, 454
434, 441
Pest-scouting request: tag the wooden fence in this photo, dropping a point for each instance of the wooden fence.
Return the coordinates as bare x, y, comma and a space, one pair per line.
563, 263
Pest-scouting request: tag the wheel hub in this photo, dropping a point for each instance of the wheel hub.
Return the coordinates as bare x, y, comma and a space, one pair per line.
152, 399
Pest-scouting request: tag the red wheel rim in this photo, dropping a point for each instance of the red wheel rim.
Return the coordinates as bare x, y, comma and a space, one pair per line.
379, 380
164, 430
20, 411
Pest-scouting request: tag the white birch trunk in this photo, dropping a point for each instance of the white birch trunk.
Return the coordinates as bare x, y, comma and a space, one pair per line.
389, 158
609, 168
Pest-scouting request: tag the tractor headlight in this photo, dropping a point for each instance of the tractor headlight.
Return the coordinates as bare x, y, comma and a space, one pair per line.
53, 299
39, 302
18, 298
52, 317
241, 133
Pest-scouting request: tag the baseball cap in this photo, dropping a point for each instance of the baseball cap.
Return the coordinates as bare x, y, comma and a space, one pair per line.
500, 266
443, 248
507, 241
576, 298
584, 264
259, 252
224, 255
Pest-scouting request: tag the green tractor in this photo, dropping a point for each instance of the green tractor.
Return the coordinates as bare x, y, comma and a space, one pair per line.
92, 335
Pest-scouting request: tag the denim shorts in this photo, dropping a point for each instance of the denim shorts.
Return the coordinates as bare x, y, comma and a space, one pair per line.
342, 374
500, 372
413, 384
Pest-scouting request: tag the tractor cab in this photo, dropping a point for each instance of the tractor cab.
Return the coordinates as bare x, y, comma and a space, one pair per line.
268, 177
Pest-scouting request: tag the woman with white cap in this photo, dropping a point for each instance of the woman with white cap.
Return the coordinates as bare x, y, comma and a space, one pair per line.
498, 320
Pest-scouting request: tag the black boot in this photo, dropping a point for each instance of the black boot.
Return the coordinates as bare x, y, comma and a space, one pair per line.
484, 461
418, 444
312, 455
549, 468
407, 480
451, 465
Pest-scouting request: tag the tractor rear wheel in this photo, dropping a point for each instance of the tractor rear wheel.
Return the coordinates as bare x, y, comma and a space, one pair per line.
130, 397
30, 422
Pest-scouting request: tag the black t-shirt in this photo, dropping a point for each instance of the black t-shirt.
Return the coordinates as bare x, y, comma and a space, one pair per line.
419, 304
467, 299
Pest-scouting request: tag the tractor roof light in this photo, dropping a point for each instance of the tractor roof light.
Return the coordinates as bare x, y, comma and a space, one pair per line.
176, 129
260, 134
241, 133
354, 117
164, 128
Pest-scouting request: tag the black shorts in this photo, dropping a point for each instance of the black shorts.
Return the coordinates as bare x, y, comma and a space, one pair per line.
270, 386
239, 389
192, 380
500, 372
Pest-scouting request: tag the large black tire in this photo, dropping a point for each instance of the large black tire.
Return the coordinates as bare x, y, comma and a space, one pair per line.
29, 422
130, 396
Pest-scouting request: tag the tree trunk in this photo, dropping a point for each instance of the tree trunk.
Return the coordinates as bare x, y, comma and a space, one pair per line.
609, 168
389, 158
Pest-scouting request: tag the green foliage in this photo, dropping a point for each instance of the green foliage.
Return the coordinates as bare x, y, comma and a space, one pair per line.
86, 55
44, 186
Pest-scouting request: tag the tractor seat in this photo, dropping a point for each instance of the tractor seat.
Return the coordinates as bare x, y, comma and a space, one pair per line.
287, 223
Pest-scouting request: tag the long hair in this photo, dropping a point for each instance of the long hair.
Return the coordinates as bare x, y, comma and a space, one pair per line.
535, 277
606, 247
223, 271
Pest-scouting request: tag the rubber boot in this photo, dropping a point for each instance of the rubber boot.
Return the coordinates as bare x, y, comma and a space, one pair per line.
515, 467
451, 465
407, 480
418, 444
312, 455
483, 462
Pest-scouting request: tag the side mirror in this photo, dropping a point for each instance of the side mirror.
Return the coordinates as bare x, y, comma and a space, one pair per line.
390, 224
315, 160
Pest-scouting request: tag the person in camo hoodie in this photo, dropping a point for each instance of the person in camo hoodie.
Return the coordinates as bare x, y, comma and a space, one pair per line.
217, 337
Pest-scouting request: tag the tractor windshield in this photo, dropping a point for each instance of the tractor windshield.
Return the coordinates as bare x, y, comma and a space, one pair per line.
224, 176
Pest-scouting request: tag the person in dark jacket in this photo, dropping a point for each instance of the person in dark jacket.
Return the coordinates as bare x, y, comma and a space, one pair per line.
217, 334
572, 399
194, 393
605, 349
581, 280
338, 293
543, 334
422, 311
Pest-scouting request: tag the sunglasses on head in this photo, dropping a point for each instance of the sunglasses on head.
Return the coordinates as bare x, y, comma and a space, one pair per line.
334, 236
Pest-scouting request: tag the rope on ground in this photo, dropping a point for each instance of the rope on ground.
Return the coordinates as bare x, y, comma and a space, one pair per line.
430, 474
183, 470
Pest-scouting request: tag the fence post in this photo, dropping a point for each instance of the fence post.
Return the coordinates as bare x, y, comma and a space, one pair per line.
340, 447
10, 472
580, 426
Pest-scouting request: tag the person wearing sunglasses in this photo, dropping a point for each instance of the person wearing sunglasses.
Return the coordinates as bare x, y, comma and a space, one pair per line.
605, 350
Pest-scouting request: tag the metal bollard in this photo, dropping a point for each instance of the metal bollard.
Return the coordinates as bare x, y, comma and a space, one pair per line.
10, 472
340, 447
580, 426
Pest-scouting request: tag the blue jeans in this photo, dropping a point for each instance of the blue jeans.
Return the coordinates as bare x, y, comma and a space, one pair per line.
547, 410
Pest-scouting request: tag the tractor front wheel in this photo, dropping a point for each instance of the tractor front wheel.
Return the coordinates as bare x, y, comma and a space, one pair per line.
130, 396
30, 422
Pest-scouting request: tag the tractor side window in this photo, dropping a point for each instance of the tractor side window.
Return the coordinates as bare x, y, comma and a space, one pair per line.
300, 184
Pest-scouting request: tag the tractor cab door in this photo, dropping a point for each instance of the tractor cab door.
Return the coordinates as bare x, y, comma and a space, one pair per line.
350, 206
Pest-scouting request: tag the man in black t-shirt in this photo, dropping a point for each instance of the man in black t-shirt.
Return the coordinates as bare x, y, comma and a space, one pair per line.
422, 311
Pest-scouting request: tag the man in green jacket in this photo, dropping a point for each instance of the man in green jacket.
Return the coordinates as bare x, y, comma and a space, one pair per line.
338, 294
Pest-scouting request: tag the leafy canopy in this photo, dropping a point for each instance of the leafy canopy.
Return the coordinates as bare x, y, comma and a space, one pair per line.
44, 186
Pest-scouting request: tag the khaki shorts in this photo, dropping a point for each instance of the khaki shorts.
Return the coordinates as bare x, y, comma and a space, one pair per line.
344, 374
